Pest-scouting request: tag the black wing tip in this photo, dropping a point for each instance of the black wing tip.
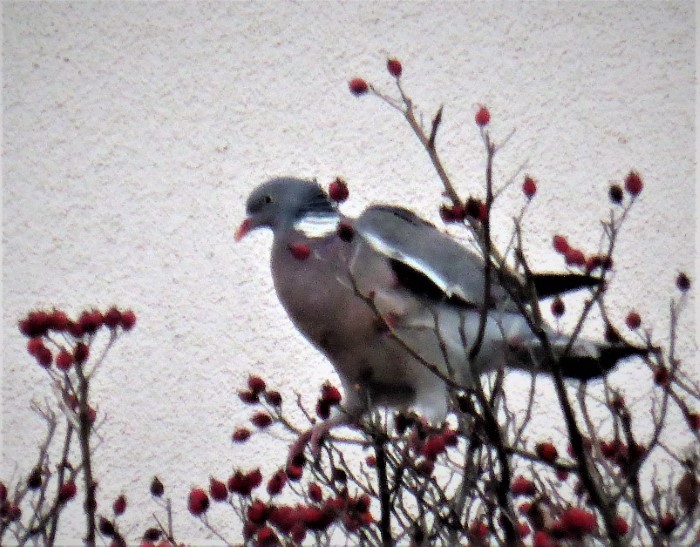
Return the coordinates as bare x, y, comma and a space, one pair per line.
591, 368
552, 284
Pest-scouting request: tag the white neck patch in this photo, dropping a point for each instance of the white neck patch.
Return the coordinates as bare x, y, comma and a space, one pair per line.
317, 225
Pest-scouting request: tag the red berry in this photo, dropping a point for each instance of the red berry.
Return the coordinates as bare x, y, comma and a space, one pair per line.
276, 483
81, 353
254, 478
543, 539
394, 67
273, 397
240, 435
578, 522
433, 447
34, 479
261, 420
575, 257
338, 190
547, 452
620, 526
217, 490
58, 321
36, 324
668, 524
248, 397
238, 483
633, 320
453, 213
67, 492
128, 320
694, 420
358, 86
64, 360
561, 245
300, 251
558, 307
482, 117
119, 505
35, 346
266, 537
450, 437
256, 384
478, 530
113, 318
90, 321
529, 187
523, 487
330, 394
371, 461
523, 529
315, 492
633, 183
294, 472
683, 282
198, 502
257, 512
44, 356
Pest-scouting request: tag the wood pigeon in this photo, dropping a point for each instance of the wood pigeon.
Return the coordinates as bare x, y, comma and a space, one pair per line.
384, 294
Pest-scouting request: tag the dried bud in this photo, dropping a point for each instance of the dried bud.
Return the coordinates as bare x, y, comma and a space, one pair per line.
683, 282
615, 193
687, 490
157, 487
198, 502
249, 397
452, 213
240, 435
345, 231
273, 397
633, 183
261, 420
119, 505
358, 86
661, 376
394, 67
34, 479
482, 117
668, 524
106, 527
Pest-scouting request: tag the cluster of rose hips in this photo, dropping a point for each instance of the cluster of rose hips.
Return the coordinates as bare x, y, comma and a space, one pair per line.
265, 520
40, 326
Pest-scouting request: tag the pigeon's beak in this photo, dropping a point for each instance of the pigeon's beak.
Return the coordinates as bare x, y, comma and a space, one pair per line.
243, 229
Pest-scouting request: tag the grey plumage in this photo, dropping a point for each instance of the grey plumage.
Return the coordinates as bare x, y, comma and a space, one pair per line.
424, 284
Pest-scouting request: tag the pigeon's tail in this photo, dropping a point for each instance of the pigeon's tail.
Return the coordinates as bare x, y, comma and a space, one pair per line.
584, 361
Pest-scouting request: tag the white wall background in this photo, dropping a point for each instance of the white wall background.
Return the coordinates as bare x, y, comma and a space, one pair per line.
134, 131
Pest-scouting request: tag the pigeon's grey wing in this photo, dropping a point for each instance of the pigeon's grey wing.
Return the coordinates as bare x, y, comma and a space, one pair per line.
424, 260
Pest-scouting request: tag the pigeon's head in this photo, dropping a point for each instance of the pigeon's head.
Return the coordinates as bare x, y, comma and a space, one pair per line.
278, 203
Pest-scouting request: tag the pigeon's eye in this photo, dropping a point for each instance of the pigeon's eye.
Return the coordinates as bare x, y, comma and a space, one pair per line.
267, 199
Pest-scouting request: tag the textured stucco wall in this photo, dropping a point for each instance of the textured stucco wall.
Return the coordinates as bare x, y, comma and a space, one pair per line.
133, 132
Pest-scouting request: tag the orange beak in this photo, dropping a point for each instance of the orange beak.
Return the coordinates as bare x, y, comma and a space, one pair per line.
243, 229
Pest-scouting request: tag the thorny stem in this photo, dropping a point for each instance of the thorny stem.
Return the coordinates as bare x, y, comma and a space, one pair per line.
85, 428
384, 497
